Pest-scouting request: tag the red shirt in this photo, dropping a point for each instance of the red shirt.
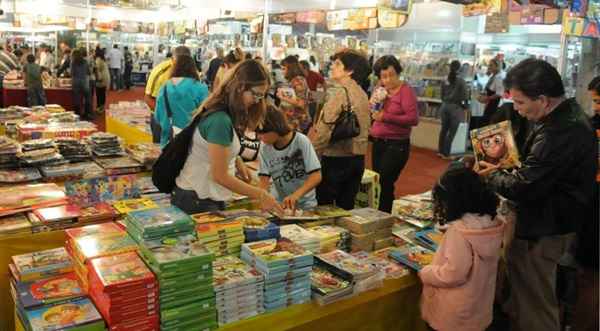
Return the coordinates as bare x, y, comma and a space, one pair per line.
400, 114
313, 79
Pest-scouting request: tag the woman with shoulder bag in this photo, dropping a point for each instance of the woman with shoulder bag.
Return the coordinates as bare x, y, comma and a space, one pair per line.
207, 179
102, 79
454, 97
343, 161
391, 129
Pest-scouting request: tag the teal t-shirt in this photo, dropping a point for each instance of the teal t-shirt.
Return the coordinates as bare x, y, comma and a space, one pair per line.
217, 128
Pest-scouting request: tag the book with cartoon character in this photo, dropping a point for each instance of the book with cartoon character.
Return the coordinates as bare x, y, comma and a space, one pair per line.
88, 192
49, 290
495, 144
32, 266
81, 312
121, 271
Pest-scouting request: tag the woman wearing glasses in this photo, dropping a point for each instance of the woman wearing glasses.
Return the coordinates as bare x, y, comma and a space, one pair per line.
208, 178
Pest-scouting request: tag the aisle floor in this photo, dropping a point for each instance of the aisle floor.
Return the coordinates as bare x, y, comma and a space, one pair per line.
419, 175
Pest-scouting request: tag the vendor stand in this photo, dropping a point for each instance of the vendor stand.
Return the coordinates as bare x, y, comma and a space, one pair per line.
17, 96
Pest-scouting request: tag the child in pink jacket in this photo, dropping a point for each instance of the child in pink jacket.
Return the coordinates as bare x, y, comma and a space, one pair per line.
459, 284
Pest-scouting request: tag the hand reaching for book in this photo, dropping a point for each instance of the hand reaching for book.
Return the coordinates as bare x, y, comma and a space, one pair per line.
269, 203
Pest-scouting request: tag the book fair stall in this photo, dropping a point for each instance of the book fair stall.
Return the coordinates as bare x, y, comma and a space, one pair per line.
89, 243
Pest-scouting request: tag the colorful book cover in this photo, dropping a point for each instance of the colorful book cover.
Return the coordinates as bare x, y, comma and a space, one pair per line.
88, 192
430, 238
380, 260
495, 144
104, 228
324, 282
208, 217
230, 272
14, 224
42, 261
50, 290
129, 205
373, 215
180, 249
298, 234
253, 222
97, 245
14, 199
273, 250
331, 212
119, 162
160, 217
413, 256
413, 208
19, 175
213, 229
348, 263
63, 316
100, 210
121, 270
60, 213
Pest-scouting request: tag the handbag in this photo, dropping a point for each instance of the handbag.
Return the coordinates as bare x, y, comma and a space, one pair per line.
172, 158
346, 126
155, 127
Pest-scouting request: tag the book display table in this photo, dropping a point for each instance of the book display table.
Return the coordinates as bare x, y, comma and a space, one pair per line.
54, 95
130, 134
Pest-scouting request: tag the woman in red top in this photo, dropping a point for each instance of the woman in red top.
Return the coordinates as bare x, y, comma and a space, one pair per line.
295, 106
390, 132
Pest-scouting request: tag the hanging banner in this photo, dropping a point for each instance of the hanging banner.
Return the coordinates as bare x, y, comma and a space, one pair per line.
532, 14
312, 17
390, 18
400, 6
285, 18
496, 23
352, 19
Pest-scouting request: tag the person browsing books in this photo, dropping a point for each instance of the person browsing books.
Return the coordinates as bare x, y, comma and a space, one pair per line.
553, 190
184, 93
295, 98
459, 284
288, 159
207, 179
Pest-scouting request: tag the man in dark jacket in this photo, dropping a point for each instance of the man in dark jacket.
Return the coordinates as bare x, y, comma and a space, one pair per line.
552, 190
213, 67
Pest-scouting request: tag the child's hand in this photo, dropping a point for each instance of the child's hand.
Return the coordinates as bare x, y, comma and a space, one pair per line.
485, 168
377, 116
290, 202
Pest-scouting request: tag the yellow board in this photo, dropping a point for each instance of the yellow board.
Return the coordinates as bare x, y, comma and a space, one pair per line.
130, 134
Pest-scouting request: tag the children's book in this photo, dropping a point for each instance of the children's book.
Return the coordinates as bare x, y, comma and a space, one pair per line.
495, 144
88, 192
348, 264
34, 265
66, 316
430, 238
18, 223
49, 290
413, 256
97, 245
231, 272
121, 270
325, 283
129, 205
14, 199
59, 213
19, 175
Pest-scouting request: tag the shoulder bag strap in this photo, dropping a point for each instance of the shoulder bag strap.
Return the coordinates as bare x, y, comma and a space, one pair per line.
347, 107
169, 111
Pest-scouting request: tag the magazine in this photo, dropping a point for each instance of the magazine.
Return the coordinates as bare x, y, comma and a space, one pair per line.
495, 144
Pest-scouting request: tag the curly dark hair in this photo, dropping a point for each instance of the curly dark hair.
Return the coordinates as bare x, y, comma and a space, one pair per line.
356, 62
385, 62
460, 190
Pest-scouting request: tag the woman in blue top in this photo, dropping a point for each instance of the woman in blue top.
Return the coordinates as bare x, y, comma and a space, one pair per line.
184, 93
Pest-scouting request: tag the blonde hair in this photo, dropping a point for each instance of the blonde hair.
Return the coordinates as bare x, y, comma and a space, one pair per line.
229, 94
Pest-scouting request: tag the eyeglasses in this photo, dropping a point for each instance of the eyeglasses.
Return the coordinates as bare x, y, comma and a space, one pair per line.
258, 96
497, 140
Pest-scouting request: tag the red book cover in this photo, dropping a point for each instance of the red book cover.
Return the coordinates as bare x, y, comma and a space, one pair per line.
148, 296
60, 213
101, 210
121, 271
83, 231
146, 324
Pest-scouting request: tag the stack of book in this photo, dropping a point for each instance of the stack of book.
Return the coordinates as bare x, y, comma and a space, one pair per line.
72, 171
149, 191
14, 224
125, 292
370, 229
105, 144
96, 245
331, 237
286, 267
56, 218
412, 256
73, 150
222, 238
129, 205
327, 287
9, 149
183, 267
39, 152
97, 213
155, 224
20, 198
88, 230
22, 175
259, 228
239, 290
404, 233
362, 275
429, 238
380, 259
144, 153
415, 209
119, 165
308, 240
38, 265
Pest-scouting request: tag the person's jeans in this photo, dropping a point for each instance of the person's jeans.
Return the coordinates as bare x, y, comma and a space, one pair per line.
36, 96
341, 180
451, 117
188, 201
127, 77
100, 96
115, 78
389, 158
79, 93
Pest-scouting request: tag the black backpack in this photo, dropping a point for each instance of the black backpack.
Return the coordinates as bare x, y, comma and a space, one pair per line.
172, 158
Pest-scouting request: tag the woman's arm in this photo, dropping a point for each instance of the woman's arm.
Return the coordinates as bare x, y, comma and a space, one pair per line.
403, 113
218, 155
321, 132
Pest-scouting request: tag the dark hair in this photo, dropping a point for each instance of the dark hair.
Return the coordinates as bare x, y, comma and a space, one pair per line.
312, 59
460, 190
77, 56
100, 54
30, 58
115, 46
185, 66
275, 121
454, 68
181, 50
293, 67
126, 48
248, 56
68, 51
595, 85
355, 62
234, 57
534, 78
384, 62
305, 64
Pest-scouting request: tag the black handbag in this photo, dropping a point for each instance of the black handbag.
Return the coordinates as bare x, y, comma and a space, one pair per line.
155, 127
172, 158
346, 126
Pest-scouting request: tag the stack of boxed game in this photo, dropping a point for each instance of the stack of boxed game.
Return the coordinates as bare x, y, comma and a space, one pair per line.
48, 295
125, 292
72, 149
8, 153
89, 247
39, 152
183, 267
105, 144
155, 224
19, 176
363, 276
222, 238
119, 165
286, 267
302, 237
14, 224
370, 229
259, 228
239, 290
331, 237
